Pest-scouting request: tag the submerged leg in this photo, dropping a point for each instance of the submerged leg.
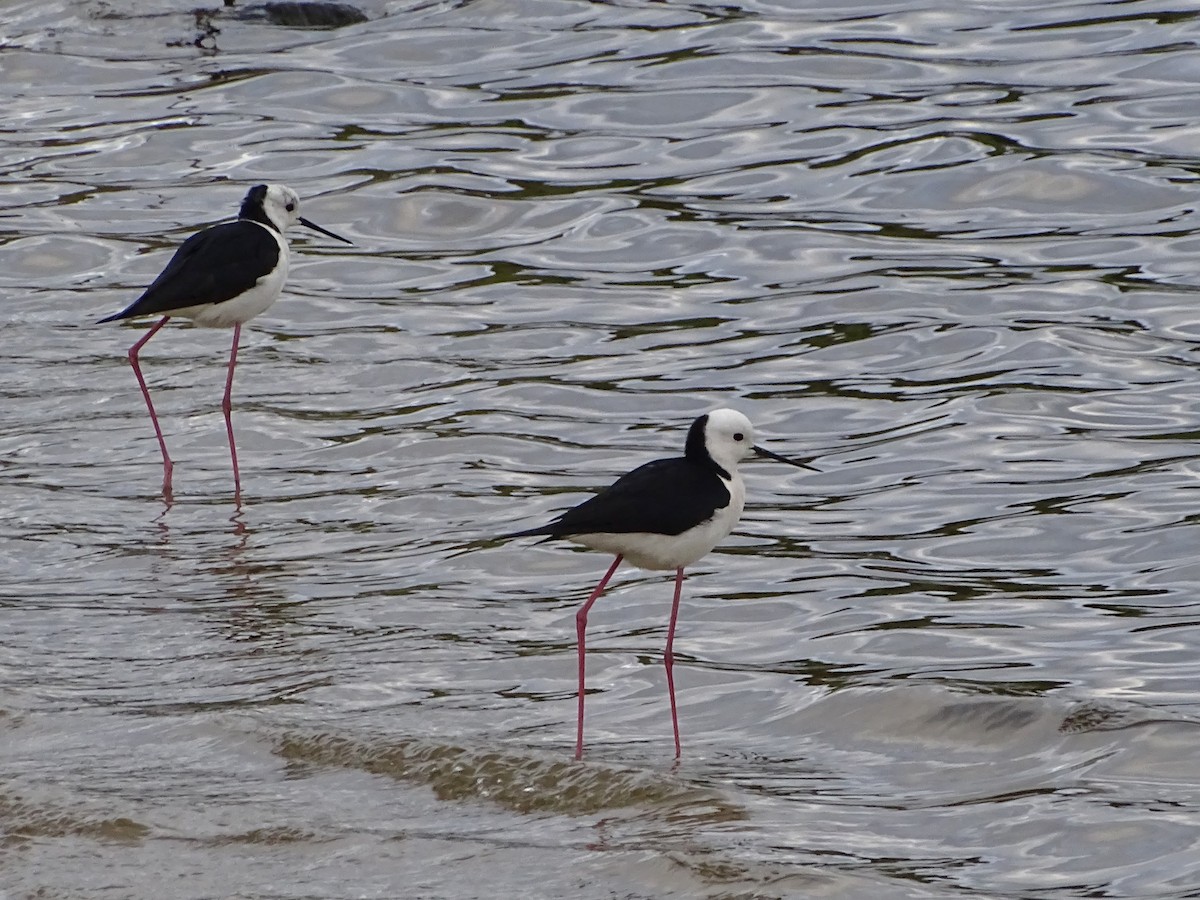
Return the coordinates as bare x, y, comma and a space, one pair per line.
227, 405
580, 628
137, 370
669, 656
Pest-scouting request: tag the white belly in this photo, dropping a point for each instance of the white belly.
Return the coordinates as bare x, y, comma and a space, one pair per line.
671, 551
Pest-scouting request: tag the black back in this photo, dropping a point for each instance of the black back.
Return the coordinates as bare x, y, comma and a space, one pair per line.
212, 266
667, 496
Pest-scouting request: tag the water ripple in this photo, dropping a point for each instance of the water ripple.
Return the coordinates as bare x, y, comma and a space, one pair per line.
944, 255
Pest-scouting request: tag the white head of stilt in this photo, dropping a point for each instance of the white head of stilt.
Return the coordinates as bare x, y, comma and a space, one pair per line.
728, 438
277, 204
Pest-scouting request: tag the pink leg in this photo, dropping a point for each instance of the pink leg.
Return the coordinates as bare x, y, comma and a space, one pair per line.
227, 405
580, 628
669, 656
137, 370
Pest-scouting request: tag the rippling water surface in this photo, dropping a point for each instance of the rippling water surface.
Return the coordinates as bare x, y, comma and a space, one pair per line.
947, 253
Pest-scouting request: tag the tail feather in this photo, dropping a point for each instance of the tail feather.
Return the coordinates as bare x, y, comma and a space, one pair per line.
126, 313
545, 532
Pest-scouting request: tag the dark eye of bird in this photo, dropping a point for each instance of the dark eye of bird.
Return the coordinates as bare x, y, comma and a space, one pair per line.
291, 207
739, 436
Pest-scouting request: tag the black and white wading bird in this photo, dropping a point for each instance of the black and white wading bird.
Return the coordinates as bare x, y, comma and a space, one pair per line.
224, 275
666, 514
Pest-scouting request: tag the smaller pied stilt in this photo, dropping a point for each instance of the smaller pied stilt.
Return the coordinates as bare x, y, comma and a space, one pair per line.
666, 514
224, 275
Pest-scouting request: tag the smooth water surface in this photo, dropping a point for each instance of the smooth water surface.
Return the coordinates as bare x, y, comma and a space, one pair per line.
946, 253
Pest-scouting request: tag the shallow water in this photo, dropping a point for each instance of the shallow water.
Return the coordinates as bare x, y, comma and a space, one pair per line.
945, 255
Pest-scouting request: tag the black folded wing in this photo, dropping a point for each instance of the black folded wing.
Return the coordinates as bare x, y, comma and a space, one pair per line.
667, 496
212, 266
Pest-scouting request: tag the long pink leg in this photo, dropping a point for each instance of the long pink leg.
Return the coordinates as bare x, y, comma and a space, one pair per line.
669, 656
580, 628
137, 370
227, 405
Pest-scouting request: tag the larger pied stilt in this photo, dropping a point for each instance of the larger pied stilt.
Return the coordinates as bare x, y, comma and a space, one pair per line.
224, 275
666, 514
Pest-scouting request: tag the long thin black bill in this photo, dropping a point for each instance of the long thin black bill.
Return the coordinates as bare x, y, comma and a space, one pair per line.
315, 227
783, 459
